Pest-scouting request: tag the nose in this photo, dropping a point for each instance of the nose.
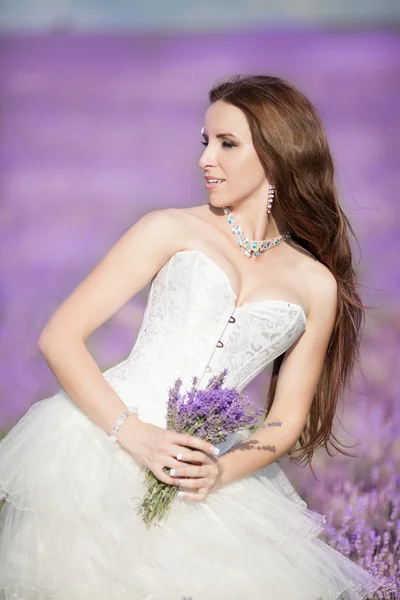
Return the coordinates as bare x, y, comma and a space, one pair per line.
208, 158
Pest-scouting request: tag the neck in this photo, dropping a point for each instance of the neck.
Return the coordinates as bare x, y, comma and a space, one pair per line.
254, 223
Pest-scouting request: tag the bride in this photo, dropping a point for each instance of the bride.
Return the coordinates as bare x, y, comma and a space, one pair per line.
261, 274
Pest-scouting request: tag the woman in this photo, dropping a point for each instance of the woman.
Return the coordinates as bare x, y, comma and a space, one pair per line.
71, 469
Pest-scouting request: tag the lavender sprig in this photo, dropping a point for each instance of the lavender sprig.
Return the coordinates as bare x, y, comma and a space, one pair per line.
211, 413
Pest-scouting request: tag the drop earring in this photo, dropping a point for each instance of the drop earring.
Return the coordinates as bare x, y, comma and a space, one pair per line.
270, 200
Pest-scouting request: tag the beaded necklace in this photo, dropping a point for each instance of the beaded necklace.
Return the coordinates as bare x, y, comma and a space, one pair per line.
251, 246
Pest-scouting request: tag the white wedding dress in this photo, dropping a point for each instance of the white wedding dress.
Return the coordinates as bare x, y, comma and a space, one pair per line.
69, 529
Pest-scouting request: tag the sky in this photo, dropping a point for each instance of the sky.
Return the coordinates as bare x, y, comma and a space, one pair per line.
189, 14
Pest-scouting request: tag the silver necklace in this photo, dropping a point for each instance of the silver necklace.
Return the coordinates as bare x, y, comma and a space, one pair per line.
251, 246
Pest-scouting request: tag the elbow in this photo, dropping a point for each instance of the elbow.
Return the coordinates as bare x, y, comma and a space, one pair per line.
49, 339
45, 341
53, 337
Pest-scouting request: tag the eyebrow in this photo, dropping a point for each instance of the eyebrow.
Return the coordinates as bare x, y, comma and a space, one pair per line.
221, 135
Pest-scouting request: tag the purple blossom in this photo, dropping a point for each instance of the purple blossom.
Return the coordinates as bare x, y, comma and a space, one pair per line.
211, 413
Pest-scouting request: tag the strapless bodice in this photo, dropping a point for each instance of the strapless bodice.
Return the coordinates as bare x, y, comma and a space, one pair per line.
191, 326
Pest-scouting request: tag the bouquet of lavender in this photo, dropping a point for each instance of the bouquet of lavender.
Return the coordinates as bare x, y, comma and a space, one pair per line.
212, 414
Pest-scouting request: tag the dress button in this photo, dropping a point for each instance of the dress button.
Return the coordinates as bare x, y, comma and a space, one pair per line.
208, 369
232, 320
220, 344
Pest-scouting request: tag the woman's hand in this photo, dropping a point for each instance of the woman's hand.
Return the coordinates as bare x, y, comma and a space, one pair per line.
198, 478
157, 448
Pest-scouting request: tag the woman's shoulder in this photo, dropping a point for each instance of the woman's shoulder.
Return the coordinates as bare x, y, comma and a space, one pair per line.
318, 283
184, 220
189, 214
177, 214
178, 226
317, 274
321, 286
170, 219
311, 268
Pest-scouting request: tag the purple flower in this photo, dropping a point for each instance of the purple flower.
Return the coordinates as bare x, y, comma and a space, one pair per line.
211, 413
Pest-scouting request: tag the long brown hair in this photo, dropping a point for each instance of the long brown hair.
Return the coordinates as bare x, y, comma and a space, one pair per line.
292, 146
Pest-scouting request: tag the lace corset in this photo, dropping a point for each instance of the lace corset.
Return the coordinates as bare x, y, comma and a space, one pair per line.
191, 326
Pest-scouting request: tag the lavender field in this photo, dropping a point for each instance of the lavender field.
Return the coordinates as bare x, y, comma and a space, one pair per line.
96, 130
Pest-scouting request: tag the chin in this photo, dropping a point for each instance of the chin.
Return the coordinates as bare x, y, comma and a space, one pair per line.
217, 203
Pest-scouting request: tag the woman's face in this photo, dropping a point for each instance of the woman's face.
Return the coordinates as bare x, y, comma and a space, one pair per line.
230, 155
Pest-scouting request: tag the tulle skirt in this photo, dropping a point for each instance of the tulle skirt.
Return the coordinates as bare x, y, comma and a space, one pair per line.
69, 528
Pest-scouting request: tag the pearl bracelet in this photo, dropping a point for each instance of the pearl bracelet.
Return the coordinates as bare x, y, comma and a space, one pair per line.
132, 410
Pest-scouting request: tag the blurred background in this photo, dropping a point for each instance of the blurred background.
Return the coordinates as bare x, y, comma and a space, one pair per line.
101, 106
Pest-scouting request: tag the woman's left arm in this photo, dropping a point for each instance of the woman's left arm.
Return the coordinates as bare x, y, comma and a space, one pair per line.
297, 382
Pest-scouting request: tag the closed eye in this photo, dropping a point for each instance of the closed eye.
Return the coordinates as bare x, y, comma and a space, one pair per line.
225, 144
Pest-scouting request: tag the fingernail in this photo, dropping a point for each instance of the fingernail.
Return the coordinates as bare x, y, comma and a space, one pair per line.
215, 451
173, 472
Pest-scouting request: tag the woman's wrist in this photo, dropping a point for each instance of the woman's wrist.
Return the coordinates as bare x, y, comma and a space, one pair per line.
222, 477
130, 413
